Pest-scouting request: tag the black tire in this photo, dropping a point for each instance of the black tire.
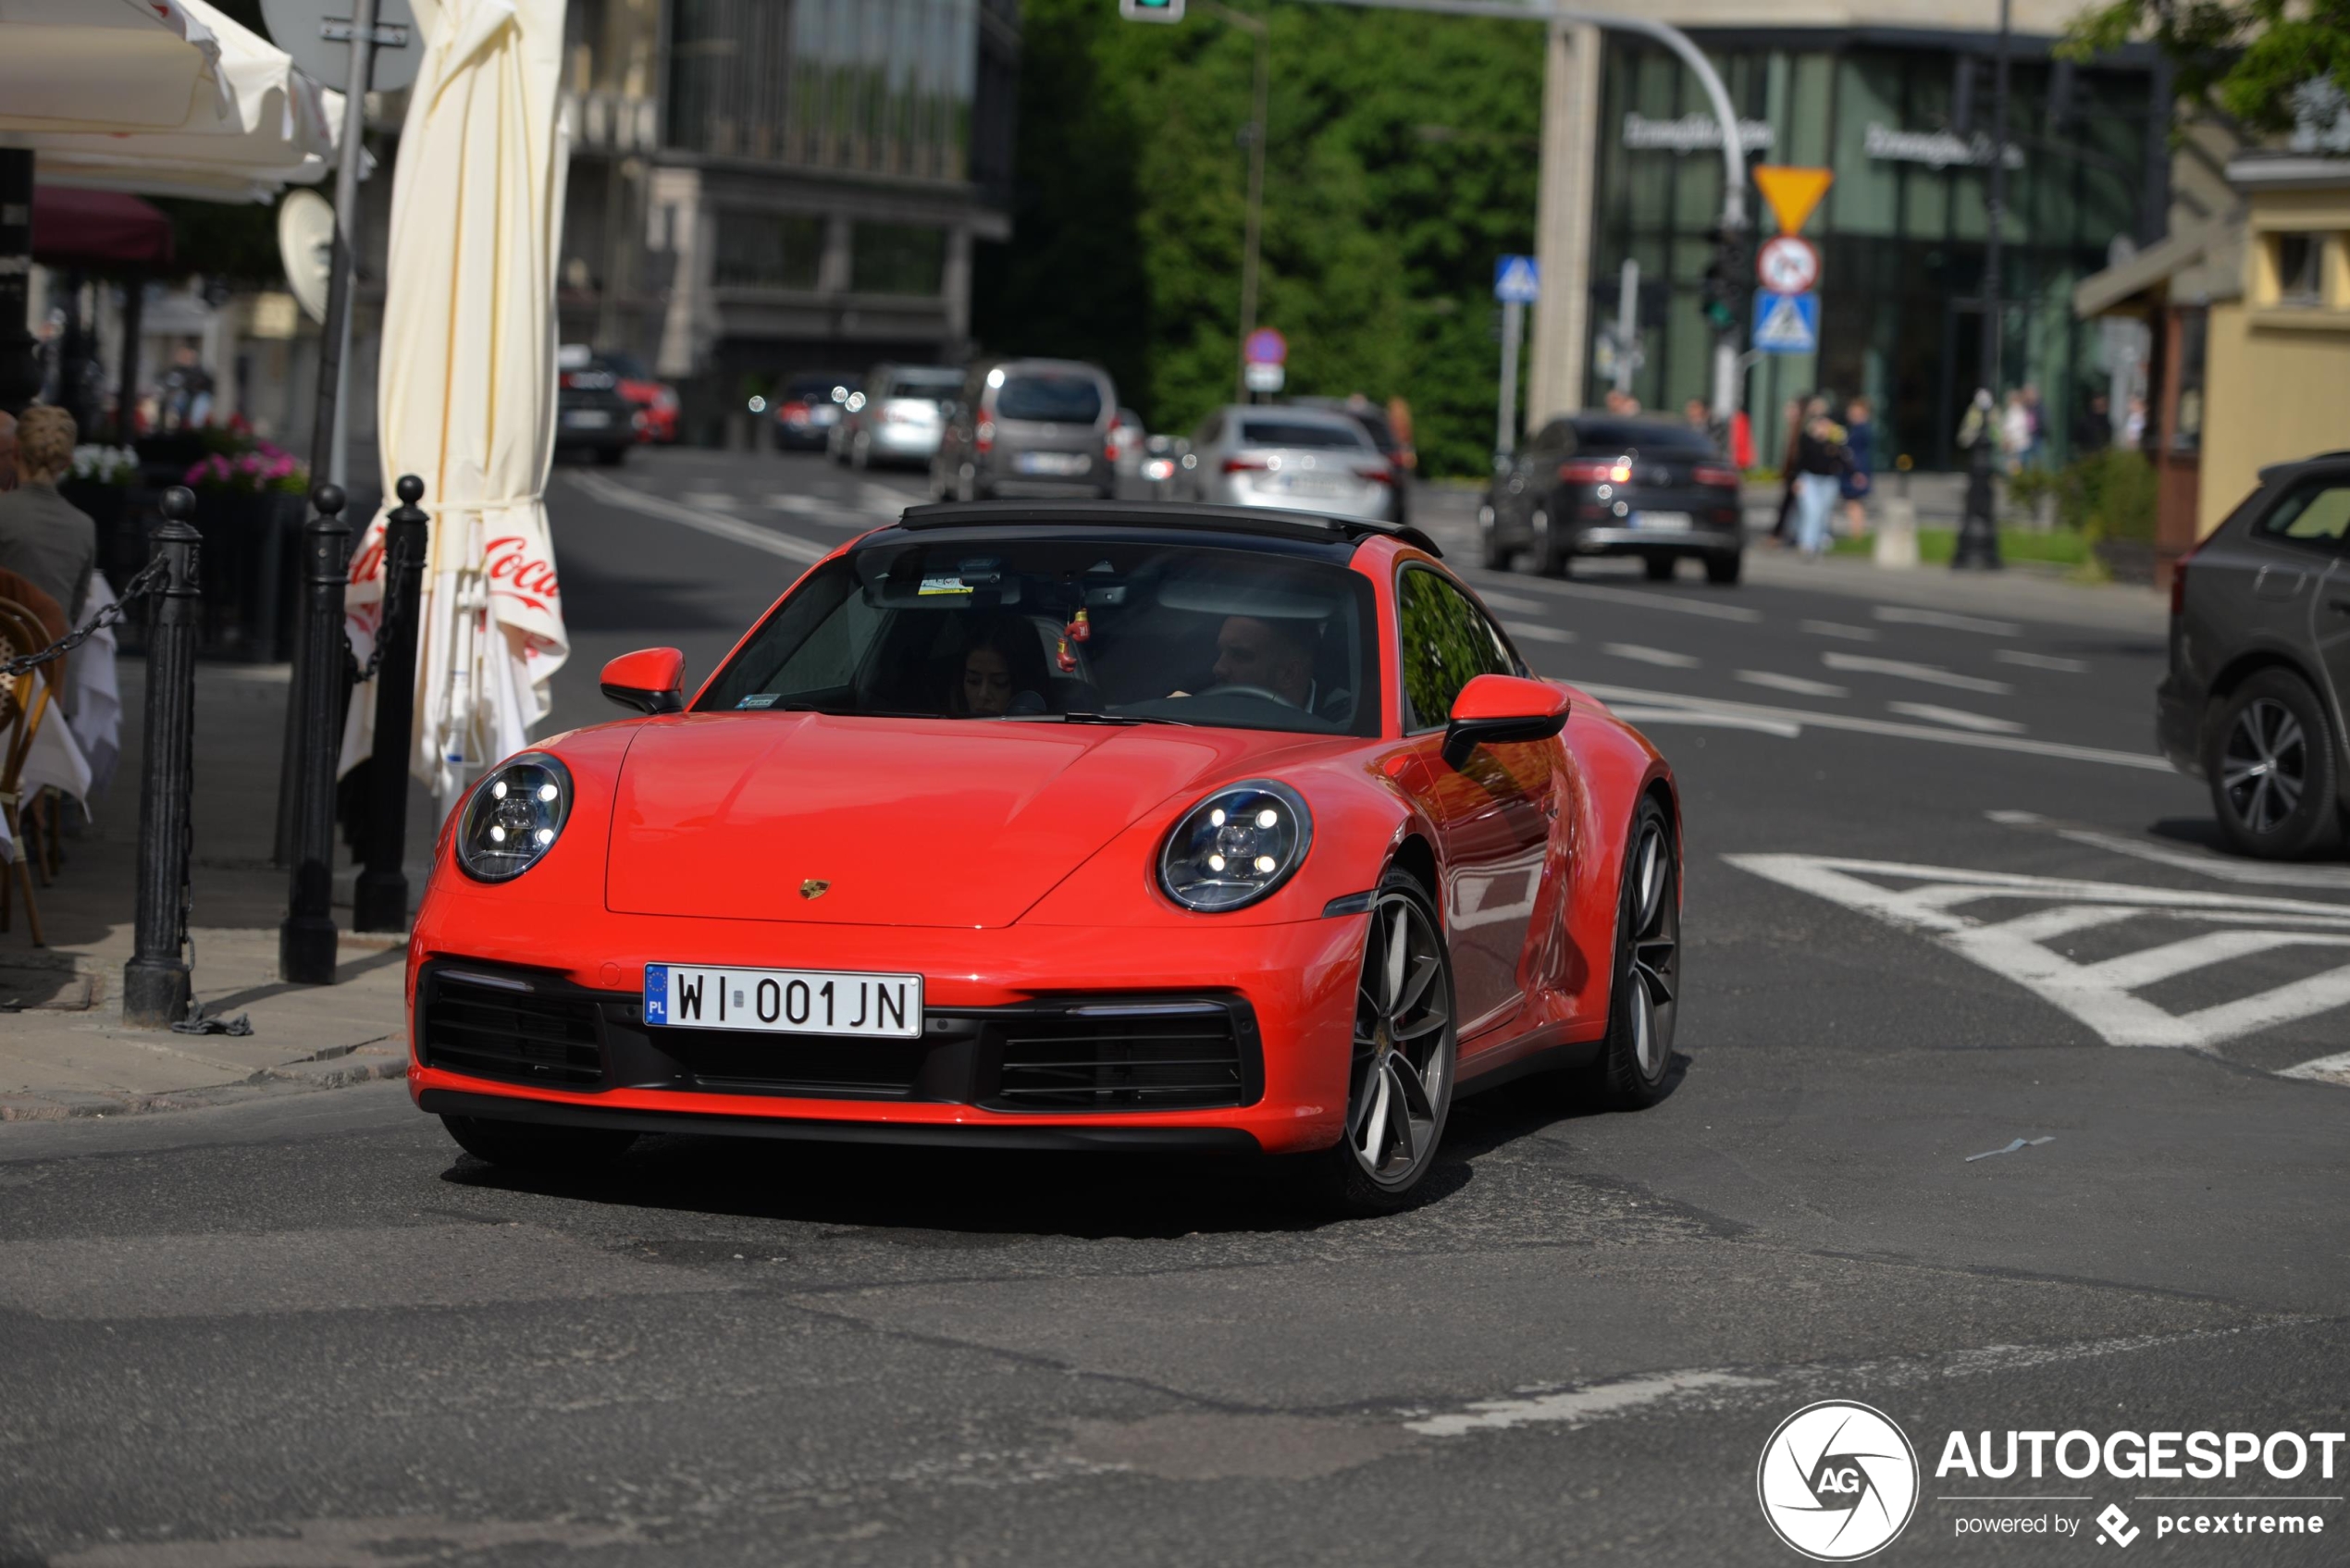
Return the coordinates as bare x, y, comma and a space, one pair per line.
1551, 557
2275, 786
1497, 558
1376, 1164
1636, 1056
1659, 567
524, 1145
1723, 571
611, 457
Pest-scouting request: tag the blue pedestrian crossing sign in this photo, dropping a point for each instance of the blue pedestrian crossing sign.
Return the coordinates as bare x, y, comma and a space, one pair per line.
1517, 280
1787, 324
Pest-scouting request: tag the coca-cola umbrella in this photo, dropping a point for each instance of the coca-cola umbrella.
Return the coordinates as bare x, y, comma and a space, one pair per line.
466, 389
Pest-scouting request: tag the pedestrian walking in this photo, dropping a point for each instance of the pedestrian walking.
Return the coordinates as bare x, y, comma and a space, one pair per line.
1791, 420
1819, 462
2092, 432
43, 535
1859, 466
2134, 425
2015, 430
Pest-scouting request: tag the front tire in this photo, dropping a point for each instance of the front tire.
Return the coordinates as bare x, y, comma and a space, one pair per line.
1400, 1079
2272, 772
532, 1146
1644, 997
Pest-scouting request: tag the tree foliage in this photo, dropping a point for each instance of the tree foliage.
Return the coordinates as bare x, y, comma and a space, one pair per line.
2247, 57
1400, 163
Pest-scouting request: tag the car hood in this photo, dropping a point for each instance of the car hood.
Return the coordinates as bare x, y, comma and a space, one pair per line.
886, 821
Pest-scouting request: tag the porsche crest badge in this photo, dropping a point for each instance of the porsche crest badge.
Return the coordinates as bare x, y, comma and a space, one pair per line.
814, 887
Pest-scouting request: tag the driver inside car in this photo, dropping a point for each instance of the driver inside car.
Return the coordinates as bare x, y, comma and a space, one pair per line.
1273, 656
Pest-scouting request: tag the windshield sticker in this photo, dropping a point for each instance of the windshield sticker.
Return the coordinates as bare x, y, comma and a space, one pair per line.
942, 586
757, 700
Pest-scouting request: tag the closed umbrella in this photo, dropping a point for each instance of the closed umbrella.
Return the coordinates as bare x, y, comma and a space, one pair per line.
466, 390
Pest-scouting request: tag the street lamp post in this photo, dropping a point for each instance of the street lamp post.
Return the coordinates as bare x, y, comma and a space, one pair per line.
1978, 542
1253, 225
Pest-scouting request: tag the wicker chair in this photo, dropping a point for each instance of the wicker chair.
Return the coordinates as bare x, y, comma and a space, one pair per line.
25, 701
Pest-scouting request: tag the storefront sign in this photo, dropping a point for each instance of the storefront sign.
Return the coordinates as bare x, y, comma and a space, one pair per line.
1935, 149
1690, 133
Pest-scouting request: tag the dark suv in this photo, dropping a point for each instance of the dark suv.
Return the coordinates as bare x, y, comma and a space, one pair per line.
1607, 485
2260, 662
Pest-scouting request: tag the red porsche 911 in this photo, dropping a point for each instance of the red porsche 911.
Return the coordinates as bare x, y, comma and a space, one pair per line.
1077, 825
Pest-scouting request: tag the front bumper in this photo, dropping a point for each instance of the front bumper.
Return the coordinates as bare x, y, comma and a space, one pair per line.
1285, 992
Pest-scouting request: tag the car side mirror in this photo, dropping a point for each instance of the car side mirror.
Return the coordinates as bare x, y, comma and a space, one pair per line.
651, 679
1498, 710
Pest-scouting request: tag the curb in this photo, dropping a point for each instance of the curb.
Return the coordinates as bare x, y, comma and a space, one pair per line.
268, 1083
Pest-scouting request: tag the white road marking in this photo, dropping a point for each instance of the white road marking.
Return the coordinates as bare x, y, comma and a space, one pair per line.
2040, 661
1614, 696
709, 497
1630, 598
1929, 899
1580, 1407
2258, 873
2325, 1069
1645, 655
1516, 605
1536, 632
884, 502
1981, 722
1834, 629
1903, 668
1634, 714
1902, 616
1800, 685
612, 493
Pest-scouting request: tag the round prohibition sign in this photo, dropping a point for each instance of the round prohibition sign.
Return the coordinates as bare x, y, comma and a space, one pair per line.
1787, 265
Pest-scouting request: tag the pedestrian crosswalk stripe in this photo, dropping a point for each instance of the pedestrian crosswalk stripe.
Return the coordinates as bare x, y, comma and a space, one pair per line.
2104, 994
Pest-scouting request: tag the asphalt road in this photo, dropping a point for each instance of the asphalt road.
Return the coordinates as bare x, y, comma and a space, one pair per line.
1940, 900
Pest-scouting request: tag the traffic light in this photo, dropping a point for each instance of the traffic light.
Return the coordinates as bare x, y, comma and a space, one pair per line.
1151, 10
1726, 276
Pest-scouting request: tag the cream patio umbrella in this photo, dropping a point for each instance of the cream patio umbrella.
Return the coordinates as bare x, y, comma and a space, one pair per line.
467, 391
160, 97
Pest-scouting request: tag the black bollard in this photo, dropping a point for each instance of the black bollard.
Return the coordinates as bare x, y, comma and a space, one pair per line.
306, 937
155, 983
380, 902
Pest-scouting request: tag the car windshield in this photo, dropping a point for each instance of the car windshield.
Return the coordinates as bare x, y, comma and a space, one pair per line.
1309, 433
1063, 396
934, 384
1069, 630
1657, 439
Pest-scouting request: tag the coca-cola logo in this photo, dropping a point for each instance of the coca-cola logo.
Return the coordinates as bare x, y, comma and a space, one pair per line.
368, 560
515, 571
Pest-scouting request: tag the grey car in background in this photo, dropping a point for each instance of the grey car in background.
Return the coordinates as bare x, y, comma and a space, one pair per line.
896, 416
2255, 702
1301, 459
1029, 427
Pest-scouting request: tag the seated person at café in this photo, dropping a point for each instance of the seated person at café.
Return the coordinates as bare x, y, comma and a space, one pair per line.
44, 537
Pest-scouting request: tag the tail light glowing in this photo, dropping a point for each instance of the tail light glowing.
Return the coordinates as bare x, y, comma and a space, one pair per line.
1379, 476
1714, 474
1614, 471
794, 413
983, 435
1246, 465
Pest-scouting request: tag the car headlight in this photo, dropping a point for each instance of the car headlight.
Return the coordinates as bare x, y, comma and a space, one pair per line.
516, 814
1236, 846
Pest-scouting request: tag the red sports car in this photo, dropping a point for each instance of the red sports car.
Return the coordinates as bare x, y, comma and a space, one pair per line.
1066, 825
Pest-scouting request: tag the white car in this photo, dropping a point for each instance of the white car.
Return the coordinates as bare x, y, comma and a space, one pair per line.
1301, 459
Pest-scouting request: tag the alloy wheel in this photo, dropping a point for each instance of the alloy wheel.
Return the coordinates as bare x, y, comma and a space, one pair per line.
1655, 951
1401, 1078
2266, 765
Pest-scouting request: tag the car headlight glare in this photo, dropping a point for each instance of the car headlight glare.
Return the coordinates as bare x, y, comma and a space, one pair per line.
1236, 846
514, 817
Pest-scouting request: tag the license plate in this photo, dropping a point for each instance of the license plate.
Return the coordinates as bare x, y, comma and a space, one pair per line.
587, 419
1661, 522
1298, 485
880, 1007
1052, 462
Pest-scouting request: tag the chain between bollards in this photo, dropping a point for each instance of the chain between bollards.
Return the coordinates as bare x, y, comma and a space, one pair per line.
380, 901
307, 938
155, 982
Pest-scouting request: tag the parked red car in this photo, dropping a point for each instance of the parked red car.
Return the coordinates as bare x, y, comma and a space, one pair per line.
1074, 825
655, 398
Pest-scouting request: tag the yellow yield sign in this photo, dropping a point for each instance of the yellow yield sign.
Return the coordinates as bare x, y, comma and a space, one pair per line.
1792, 193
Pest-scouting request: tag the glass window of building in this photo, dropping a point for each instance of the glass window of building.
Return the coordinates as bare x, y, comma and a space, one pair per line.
898, 258
2298, 259
767, 249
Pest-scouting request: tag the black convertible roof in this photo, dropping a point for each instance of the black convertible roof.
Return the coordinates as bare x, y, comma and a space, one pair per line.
1280, 525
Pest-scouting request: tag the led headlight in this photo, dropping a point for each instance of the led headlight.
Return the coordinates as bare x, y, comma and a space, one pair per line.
515, 816
1236, 846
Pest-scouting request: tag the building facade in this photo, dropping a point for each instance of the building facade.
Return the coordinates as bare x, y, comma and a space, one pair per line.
1900, 108
765, 186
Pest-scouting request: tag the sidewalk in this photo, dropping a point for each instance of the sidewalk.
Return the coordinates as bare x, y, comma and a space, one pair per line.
64, 1049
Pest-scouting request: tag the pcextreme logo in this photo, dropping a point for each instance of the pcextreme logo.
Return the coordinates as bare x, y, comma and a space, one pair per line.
1838, 1481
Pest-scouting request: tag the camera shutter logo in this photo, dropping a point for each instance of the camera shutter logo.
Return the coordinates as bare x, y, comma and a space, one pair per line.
1838, 1481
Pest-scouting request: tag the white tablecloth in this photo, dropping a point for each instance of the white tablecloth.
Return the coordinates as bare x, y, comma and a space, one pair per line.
97, 697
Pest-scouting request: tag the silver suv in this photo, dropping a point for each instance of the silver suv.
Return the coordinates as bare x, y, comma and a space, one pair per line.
1028, 428
2260, 662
